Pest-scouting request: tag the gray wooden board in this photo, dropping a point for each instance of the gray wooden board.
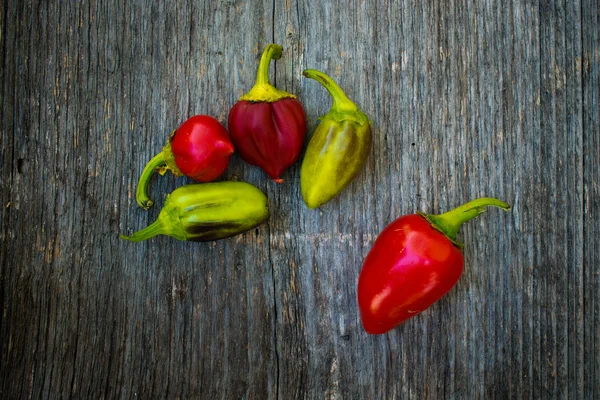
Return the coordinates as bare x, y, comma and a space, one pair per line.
467, 99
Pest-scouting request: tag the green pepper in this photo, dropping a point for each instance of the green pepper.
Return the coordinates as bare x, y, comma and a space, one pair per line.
337, 150
208, 211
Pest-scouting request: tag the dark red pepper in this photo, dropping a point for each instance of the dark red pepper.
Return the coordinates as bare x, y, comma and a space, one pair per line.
199, 149
268, 125
414, 261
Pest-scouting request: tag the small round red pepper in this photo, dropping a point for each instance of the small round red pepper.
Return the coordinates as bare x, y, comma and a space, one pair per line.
199, 149
414, 261
268, 125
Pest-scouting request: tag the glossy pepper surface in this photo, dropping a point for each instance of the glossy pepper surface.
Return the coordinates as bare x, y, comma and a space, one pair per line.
268, 125
337, 150
208, 211
414, 261
199, 149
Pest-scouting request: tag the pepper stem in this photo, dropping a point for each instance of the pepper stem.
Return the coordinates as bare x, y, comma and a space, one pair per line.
161, 163
154, 229
141, 193
272, 52
342, 107
450, 222
263, 91
341, 102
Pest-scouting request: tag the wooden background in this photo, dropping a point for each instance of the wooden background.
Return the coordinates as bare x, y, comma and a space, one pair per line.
467, 98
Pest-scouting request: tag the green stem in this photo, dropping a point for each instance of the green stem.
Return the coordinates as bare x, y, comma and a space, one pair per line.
141, 193
341, 102
272, 52
263, 91
154, 229
450, 222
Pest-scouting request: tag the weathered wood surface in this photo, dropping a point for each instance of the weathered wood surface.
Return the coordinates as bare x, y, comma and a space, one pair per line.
467, 99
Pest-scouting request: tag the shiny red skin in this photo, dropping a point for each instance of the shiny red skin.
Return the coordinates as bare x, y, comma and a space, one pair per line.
201, 148
268, 135
410, 266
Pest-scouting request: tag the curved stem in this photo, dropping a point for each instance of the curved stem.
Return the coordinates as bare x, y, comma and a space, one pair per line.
450, 222
263, 91
272, 52
141, 193
341, 102
156, 228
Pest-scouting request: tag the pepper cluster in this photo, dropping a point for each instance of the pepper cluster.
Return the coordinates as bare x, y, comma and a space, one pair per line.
413, 263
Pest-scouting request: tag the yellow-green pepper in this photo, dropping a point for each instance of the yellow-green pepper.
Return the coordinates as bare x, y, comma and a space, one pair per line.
337, 150
208, 211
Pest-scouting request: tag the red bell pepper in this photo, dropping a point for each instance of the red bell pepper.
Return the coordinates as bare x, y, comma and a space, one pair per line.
268, 125
414, 261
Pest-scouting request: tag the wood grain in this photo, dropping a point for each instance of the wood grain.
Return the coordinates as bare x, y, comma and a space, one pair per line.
466, 98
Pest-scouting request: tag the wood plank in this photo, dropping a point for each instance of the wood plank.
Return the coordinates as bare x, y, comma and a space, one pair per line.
590, 303
467, 99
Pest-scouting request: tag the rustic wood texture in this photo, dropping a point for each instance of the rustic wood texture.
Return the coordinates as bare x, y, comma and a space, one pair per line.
467, 99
